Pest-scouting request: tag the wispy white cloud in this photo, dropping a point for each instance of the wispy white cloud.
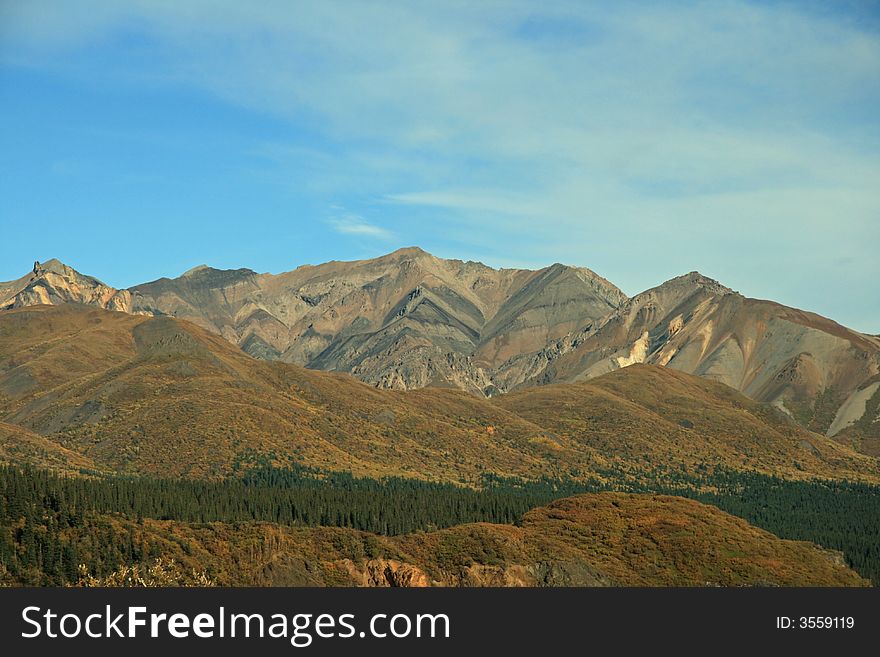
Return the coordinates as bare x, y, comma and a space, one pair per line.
352, 224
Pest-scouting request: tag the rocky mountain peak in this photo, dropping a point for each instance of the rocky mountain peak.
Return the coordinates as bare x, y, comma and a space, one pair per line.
698, 280
53, 266
58, 268
194, 270
52, 282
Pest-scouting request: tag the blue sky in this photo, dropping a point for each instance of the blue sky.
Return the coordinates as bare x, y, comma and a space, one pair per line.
642, 140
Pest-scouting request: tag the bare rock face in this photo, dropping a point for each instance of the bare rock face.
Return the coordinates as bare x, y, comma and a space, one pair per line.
406, 320
383, 573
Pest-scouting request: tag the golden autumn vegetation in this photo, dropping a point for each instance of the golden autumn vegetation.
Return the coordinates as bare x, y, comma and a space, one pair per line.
159, 573
606, 539
115, 392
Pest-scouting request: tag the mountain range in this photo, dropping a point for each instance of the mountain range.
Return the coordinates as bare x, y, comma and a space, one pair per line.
485, 382
409, 320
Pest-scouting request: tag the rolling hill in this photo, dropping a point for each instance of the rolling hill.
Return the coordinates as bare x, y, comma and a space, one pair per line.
148, 395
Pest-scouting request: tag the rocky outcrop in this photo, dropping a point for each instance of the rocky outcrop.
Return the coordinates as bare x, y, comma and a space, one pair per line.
385, 573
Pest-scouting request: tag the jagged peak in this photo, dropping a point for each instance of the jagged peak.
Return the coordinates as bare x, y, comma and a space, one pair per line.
194, 270
206, 271
52, 265
696, 279
679, 288
55, 266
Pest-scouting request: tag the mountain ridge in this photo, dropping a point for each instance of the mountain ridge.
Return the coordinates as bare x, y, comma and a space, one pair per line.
410, 320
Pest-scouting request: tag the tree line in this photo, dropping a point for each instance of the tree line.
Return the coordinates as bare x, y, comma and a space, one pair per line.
38, 509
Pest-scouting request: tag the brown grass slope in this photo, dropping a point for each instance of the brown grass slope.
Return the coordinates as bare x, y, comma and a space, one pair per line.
606, 539
18, 445
162, 396
170, 398
648, 415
